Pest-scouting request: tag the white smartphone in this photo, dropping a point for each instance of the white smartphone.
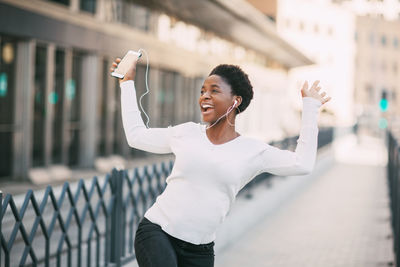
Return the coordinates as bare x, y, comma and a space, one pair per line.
125, 63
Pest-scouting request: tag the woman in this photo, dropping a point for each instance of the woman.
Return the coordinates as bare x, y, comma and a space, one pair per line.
212, 164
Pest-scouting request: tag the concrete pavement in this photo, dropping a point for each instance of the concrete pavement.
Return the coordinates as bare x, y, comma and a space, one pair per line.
340, 218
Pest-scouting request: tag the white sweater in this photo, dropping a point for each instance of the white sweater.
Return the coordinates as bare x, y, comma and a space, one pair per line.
206, 177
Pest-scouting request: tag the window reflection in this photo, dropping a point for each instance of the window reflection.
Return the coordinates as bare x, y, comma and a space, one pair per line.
64, 2
58, 101
73, 95
39, 105
7, 94
102, 105
88, 6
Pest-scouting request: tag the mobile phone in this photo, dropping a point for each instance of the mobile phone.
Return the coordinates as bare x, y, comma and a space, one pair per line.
125, 63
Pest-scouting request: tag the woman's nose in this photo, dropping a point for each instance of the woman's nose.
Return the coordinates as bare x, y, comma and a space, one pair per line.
206, 95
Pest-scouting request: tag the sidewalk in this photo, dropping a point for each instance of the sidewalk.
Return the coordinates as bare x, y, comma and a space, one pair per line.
341, 218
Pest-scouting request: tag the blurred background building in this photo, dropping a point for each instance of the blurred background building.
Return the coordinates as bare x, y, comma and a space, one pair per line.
325, 33
355, 45
59, 107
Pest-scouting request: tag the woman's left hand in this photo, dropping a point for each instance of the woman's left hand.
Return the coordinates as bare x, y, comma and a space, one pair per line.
314, 92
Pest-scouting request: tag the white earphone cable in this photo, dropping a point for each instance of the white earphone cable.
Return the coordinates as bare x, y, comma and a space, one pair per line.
147, 87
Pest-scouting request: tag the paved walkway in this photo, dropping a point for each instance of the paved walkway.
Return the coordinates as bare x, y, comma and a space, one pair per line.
341, 219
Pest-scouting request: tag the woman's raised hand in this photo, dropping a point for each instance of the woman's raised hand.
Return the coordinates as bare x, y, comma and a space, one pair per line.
130, 74
314, 92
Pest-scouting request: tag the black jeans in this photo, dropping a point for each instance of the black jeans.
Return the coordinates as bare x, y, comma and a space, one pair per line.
156, 248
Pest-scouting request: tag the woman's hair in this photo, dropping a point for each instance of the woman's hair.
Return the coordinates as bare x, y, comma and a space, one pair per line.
239, 82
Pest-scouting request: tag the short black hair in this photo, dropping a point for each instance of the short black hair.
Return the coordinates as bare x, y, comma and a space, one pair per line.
239, 82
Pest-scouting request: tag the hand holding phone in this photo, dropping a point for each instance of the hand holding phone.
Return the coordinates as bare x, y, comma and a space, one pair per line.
125, 64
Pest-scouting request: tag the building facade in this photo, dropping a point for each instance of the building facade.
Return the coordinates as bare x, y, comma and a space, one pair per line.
355, 45
377, 70
325, 33
60, 107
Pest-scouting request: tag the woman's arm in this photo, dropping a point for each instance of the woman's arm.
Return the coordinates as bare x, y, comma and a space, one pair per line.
302, 160
155, 140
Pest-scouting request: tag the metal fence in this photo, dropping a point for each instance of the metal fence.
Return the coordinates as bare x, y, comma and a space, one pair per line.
394, 188
91, 223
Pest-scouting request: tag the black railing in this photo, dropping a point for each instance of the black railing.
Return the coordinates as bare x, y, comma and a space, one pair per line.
394, 188
90, 223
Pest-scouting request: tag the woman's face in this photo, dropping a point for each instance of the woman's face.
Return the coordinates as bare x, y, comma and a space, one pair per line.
215, 98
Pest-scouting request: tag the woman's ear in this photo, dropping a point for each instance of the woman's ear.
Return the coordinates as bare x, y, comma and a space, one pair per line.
239, 101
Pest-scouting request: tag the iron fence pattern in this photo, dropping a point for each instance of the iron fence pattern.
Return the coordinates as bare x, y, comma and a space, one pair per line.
394, 189
93, 222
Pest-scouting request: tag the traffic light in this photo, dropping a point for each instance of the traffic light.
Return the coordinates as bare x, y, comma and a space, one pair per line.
383, 103
383, 106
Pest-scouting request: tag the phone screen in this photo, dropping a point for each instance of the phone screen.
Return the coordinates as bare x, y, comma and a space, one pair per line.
125, 63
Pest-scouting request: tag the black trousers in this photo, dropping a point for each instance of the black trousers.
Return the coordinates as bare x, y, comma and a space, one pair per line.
156, 248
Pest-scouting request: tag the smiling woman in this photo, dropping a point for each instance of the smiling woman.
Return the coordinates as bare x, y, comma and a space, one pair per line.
179, 229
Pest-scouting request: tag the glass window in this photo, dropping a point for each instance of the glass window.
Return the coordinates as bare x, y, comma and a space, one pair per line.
7, 71
39, 104
64, 2
370, 93
73, 95
198, 83
102, 111
119, 136
57, 99
88, 6
136, 16
185, 105
383, 40
165, 98
371, 38
7, 74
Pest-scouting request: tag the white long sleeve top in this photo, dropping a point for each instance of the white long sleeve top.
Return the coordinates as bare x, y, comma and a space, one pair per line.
206, 178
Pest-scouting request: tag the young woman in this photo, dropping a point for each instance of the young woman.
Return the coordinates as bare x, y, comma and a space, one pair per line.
212, 163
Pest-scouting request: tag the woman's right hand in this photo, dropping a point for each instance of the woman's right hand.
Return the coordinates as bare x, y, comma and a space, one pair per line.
130, 74
314, 92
